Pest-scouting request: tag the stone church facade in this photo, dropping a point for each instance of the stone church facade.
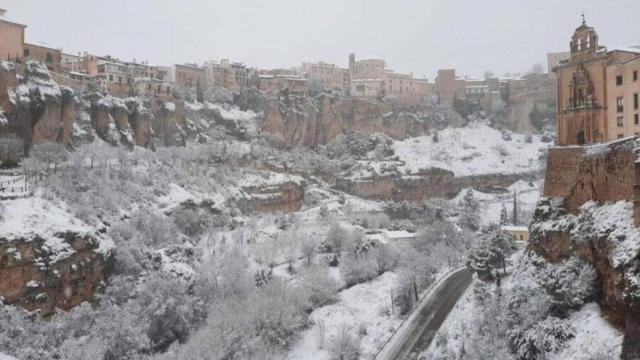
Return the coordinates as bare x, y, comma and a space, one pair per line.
597, 91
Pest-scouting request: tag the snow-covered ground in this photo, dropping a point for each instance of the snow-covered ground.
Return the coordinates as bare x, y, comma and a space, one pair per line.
593, 336
359, 308
36, 216
473, 150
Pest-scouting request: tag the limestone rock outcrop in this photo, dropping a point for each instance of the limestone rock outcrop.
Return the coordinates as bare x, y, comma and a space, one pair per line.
37, 276
431, 183
311, 121
590, 210
285, 197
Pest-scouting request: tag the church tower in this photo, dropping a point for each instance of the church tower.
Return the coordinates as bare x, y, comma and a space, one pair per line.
584, 42
581, 116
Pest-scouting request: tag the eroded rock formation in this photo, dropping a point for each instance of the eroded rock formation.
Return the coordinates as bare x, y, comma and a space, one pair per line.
37, 276
286, 197
432, 183
311, 121
590, 210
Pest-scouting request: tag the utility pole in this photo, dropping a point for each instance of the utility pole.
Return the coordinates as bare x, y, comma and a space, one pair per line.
392, 304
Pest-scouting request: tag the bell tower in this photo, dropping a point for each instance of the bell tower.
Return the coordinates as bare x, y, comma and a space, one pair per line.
584, 41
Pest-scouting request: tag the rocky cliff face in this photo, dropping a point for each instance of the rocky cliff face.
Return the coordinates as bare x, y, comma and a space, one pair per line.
311, 121
591, 211
286, 197
38, 110
432, 183
38, 277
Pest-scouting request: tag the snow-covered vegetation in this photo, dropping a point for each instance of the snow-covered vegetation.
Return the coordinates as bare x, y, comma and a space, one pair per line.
201, 271
538, 311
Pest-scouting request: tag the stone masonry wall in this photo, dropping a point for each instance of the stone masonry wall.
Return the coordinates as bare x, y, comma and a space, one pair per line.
606, 172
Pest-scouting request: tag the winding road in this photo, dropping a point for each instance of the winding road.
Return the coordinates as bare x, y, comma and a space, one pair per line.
422, 325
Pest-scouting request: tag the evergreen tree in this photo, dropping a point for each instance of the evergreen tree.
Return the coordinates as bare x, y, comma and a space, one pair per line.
490, 252
470, 215
504, 217
515, 208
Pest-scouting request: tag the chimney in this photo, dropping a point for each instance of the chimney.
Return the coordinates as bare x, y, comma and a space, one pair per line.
2, 12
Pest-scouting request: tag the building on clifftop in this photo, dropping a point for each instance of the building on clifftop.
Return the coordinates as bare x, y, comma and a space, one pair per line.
597, 91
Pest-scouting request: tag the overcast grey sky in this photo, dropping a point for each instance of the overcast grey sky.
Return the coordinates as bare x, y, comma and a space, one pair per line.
416, 36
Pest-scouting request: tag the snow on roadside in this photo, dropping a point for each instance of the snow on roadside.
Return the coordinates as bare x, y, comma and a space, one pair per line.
6, 357
359, 306
455, 324
476, 149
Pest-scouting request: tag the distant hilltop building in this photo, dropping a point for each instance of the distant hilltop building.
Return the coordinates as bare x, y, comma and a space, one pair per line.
555, 58
370, 78
12, 39
597, 91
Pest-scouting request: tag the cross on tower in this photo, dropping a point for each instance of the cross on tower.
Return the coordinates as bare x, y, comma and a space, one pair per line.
584, 22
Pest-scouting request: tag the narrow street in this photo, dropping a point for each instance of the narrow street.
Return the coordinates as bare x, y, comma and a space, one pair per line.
418, 332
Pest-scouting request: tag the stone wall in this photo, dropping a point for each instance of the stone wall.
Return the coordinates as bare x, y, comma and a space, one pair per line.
601, 173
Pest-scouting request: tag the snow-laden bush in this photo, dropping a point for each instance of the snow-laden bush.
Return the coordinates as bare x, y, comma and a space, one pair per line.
547, 336
344, 345
357, 269
168, 325
570, 283
318, 286
189, 222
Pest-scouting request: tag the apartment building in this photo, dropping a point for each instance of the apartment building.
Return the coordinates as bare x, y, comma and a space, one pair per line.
11, 38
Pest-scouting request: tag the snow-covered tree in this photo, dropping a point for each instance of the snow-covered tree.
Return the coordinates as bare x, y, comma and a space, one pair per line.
344, 345
469, 211
504, 216
320, 287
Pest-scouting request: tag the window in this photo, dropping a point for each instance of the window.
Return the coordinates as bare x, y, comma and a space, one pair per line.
620, 104
620, 121
110, 77
636, 119
635, 101
619, 80
25, 53
620, 136
635, 75
49, 58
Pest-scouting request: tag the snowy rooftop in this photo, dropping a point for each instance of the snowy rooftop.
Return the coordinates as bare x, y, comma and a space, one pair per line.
514, 228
